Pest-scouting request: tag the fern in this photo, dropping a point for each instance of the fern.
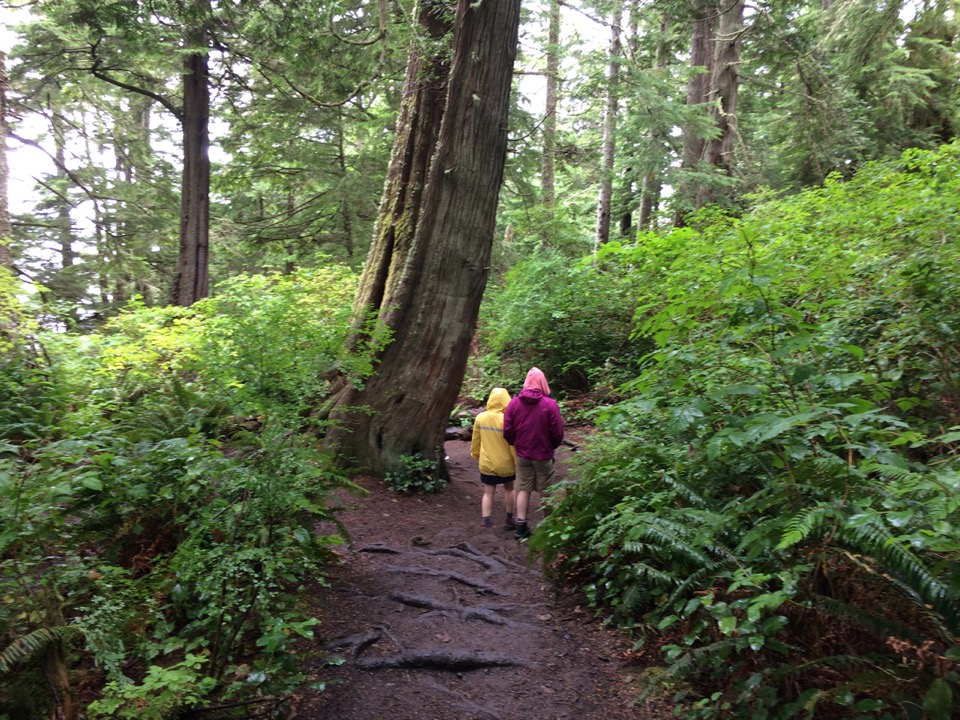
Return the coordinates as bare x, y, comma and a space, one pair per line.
880, 626
904, 569
34, 643
695, 659
804, 524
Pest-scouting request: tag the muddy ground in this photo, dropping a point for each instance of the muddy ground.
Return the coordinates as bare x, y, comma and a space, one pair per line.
433, 617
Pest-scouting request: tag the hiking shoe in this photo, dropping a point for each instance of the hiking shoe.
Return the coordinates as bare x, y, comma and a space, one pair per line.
509, 524
486, 523
521, 531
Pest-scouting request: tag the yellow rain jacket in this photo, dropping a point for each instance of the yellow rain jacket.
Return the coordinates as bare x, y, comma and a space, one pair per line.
496, 456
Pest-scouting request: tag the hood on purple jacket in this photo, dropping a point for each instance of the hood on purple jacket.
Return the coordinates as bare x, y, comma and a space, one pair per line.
533, 425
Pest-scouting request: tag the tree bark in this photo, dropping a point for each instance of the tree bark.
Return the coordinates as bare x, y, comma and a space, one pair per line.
426, 271
6, 228
605, 199
724, 89
652, 186
548, 169
191, 280
703, 23
64, 223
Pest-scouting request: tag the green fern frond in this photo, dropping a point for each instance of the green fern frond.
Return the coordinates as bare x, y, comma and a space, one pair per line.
692, 580
904, 569
881, 627
684, 490
893, 472
648, 572
35, 643
697, 658
804, 524
674, 539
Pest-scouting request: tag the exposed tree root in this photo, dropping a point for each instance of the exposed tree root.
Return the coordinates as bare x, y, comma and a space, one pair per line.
466, 613
455, 576
356, 643
359, 642
488, 562
379, 548
453, 661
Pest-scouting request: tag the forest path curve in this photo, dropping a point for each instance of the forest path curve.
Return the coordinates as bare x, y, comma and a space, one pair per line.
437, 618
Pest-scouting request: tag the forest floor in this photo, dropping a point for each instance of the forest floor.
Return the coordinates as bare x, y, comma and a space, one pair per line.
432, 617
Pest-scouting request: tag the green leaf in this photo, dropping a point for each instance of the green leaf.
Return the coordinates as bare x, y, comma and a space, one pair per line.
728, 624
91, 481
938, 702
801, 373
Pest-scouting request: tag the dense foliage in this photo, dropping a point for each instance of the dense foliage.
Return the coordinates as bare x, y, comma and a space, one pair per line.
773, 507
769, 502
160, 492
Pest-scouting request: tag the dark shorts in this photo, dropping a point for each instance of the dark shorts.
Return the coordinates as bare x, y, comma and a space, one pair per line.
496, 479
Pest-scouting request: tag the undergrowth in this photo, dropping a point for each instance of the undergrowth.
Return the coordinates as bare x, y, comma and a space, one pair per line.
159, 494
772, 508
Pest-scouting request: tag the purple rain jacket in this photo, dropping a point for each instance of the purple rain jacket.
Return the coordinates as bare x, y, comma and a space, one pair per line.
532, 424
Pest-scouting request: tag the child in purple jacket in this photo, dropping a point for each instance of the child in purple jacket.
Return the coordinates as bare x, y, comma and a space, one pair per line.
533, 425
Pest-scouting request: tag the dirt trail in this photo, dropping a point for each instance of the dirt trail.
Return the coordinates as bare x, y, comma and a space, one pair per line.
436, 618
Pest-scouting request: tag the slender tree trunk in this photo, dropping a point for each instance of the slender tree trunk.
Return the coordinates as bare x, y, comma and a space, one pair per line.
652, 186
6, 227
64, 223
346, 216
605, 199
548, 171
632, 9
190, 282
427, 268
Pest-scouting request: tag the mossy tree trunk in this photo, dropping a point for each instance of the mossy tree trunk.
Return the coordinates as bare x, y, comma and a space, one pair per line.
427, 268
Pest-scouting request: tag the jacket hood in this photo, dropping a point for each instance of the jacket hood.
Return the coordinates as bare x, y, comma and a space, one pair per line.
530, 396
498, 400
536, 379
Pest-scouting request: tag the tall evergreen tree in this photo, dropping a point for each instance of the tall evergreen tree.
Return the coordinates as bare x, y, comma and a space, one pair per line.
609, 136
427, 269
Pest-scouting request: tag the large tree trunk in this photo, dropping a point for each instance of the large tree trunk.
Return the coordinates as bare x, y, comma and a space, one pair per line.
724, 89
6, 228
605, 199
190, 282
427, 268
703, 23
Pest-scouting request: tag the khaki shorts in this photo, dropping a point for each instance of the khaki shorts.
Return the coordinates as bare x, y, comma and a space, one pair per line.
534, 475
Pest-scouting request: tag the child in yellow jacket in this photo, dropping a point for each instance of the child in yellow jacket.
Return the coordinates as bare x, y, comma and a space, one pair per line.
498, 460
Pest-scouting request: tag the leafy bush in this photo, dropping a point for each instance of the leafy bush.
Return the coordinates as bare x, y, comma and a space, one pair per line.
158, 497
416, 474
773, 507
570, 319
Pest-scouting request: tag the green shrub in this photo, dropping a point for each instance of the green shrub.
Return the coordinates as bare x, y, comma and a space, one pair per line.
416, 474
570, 319
773, 507
159, 493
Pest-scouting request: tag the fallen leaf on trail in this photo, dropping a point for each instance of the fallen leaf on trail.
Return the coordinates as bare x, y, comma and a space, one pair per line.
443, 637
546, 616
